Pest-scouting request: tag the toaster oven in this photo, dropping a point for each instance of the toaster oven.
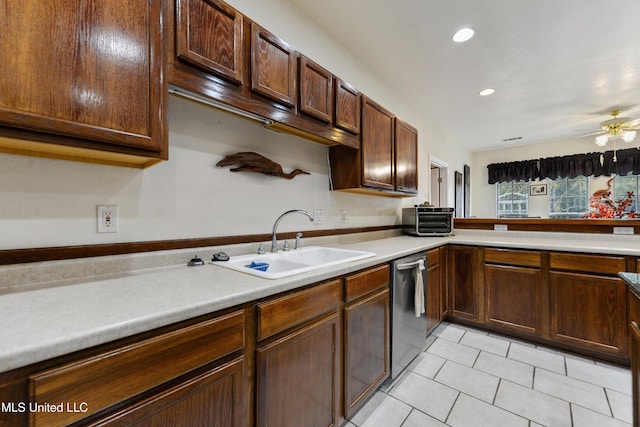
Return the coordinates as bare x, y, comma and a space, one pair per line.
427, 221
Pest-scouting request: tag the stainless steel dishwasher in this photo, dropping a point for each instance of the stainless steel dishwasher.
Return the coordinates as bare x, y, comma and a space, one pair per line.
408, 332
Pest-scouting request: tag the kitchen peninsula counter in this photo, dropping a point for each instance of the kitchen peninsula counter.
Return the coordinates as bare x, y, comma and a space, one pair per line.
74, 313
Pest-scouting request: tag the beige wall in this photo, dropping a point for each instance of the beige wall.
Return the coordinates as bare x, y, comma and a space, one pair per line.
484, 194
48, 202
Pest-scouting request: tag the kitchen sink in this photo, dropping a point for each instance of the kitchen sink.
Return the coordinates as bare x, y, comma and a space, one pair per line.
289, 263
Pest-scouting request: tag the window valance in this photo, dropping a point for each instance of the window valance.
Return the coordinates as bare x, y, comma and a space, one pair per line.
571, 166
526, 170
628, 161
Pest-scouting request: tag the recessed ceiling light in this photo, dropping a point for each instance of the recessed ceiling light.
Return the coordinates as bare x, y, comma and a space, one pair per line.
463, 35
485, 92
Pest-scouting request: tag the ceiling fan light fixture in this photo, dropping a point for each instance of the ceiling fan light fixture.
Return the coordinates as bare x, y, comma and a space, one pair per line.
487, 91
617, 128
463, 35
602, 140
629, 136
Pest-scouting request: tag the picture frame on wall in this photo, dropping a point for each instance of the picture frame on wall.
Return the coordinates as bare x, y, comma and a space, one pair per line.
459, 209
538, 189
467, 191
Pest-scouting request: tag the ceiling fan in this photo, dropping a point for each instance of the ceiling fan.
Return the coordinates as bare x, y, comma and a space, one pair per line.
616, 128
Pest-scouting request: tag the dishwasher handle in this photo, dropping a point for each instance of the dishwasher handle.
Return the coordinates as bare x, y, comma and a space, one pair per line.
408, 265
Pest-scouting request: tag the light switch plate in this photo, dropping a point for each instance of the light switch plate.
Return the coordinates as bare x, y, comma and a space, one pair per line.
318, 216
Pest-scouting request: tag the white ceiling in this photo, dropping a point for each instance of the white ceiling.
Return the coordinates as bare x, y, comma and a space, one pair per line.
558, 66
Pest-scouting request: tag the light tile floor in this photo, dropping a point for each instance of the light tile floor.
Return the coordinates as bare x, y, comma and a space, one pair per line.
472, 378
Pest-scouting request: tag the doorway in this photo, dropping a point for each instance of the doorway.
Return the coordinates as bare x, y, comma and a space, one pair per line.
438, 196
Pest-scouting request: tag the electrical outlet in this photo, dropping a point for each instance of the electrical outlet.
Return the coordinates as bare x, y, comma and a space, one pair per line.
343, 216
107, 219
318, 216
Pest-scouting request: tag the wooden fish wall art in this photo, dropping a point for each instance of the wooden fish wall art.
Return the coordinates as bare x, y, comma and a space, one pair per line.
254, 162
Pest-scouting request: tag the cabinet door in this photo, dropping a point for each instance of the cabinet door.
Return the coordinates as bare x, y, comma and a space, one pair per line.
513, 297
377, 146
464, 282
213, 399
298, 377
273, 67
433, 289
589, 311
366, 348
88, 70
210, 34
348, 107
406, 157
316, 90
635, 371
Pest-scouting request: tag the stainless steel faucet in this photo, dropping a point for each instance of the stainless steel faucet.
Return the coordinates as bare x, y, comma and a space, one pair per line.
274, 241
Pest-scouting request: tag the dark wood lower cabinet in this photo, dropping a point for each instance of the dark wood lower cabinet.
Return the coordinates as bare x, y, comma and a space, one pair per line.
513, 298
464, 282
298, 377
434, 290
633, 314
366, 348
213, 399
635, 371
588, 311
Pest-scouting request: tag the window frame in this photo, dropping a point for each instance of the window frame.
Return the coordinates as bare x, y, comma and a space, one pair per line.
512, 214
552, 199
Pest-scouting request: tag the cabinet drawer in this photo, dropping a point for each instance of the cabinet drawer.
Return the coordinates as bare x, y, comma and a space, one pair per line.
108, 378
587, 263
511, 257
366, 282
433, 258
294, 309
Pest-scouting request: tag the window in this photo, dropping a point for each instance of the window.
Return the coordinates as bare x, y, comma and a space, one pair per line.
513, 199
624, 184
568, 197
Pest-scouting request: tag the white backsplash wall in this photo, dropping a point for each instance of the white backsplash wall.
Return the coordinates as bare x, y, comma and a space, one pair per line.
49, 202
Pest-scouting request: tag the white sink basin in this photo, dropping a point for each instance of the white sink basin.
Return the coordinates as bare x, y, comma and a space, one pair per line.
284, 264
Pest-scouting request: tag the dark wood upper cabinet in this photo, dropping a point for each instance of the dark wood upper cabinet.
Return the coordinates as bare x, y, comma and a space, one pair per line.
387, 162
316, 90
223, 56
210, 35
406, 157
377, 148
89, 75
347, 107
273, 66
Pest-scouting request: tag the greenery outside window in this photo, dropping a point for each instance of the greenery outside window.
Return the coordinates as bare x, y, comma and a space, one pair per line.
513, 199
624, 184
568, 197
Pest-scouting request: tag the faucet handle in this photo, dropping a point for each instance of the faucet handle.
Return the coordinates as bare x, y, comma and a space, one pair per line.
285, 247
261, 249
298, 241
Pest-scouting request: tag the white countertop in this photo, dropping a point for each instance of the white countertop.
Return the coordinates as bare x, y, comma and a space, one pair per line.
82, 312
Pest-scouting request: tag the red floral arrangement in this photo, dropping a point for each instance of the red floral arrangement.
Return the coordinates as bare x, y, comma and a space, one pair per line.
604, 207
